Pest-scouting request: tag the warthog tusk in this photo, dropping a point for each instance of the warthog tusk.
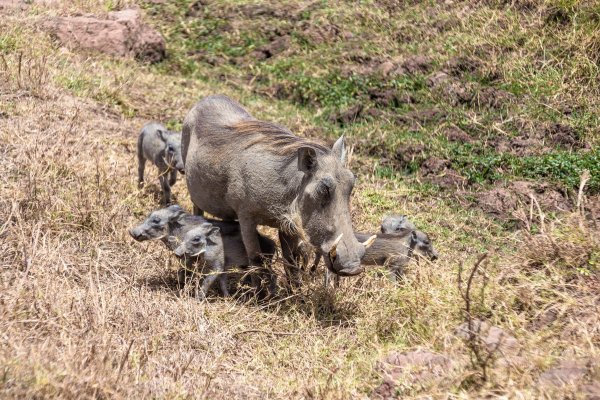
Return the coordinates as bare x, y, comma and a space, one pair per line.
333, 251
198, 253
367, 243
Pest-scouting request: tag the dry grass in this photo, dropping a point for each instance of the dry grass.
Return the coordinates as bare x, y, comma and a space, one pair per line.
86, 312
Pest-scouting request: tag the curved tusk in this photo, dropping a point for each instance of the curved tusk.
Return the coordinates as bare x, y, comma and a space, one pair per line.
333, 251
367, 243
198, 253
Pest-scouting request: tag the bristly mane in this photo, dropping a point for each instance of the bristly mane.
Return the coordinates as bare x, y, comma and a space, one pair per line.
275, 138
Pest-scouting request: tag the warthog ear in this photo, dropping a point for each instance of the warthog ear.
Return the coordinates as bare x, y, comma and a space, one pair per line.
176, 211
214, 234
339, 149
162, 135
307, 159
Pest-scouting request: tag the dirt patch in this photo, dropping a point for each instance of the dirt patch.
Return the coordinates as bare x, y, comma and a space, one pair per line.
421, 117
461, 65
455, 91
277, 46
409, 153
390, 98
536, 138
455, 134
563, 135
320, 34
348, 116
418, 366
452, 90
438, 171
567, 372
543, 320
407, 66
491, 97
505, 202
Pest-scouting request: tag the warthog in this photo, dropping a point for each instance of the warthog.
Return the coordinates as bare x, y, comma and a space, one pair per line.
397, 225
395, 252
203, 245
260, 173
163, 148
170, 225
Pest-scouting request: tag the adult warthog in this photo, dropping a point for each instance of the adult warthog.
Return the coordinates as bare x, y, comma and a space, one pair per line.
262, 174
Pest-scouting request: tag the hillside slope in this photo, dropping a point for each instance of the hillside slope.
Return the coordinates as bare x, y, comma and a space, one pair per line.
476, 119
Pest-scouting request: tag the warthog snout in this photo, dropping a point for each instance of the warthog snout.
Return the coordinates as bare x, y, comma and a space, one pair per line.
351, 268
179, 251
136, 233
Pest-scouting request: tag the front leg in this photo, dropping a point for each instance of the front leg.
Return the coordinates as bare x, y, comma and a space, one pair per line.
291, 254
173, 177
223, 284
250, 240
165, 188
216, 271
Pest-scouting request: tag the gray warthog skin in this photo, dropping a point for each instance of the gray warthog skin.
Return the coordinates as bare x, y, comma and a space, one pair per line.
203, 246
163, 148
170, 224
261, 174
397, 225
394, 252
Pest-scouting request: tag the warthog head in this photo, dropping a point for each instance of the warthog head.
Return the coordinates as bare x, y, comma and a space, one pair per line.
196, 241
421, 244
156, 226
323, 207
173, 156
397, 225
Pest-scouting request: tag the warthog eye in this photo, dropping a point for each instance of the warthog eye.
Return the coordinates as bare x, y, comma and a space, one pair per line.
197, 239
155, 220
171, 149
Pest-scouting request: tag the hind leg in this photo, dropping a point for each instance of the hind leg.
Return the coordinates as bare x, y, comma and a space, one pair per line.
141, 168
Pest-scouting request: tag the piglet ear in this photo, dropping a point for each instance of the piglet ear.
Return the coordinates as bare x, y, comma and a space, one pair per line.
176, 211
307, 159
162, 135
214, 234
339, 149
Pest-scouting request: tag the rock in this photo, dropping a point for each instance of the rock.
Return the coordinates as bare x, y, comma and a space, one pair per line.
494, 338
123, 34
568, 372
591, 391
413, 367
